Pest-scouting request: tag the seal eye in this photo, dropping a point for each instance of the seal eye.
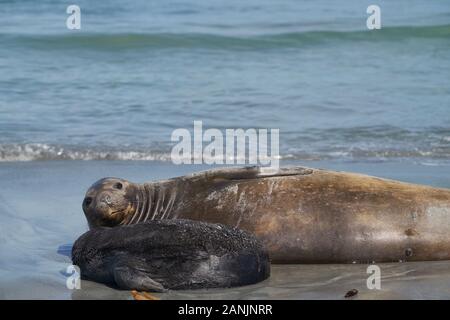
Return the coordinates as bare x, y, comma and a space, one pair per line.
87, 201
118, 185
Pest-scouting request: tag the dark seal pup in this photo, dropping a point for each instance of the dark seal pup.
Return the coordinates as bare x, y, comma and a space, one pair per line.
171, 254
302, 215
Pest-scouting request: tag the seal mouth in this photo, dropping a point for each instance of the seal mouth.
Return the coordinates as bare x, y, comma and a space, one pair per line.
116, 212
139, 204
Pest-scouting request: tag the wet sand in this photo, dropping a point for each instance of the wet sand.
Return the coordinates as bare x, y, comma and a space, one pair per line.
40, 211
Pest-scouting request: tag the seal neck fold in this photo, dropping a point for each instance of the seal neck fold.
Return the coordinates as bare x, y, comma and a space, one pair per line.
153, 202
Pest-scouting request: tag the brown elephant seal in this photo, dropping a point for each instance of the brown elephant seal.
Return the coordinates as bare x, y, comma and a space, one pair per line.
302, 215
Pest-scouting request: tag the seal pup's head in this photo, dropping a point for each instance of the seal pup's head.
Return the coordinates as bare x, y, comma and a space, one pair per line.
109, 202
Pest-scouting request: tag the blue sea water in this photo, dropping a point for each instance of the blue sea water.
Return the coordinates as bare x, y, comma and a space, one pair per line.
137, 70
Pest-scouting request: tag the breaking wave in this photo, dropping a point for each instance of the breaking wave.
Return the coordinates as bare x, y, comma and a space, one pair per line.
135, 41
46, 152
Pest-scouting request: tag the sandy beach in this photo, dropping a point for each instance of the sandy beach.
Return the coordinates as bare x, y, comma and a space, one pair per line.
105, 99
41, 216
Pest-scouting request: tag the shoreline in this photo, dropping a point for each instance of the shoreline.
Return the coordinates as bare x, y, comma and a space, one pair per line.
40, 210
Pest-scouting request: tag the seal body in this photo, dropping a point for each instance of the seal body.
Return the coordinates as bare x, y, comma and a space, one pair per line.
302, 215
171, 254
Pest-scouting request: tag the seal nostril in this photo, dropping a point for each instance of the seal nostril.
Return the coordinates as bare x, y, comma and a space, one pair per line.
107, 200
118, 185
87, 201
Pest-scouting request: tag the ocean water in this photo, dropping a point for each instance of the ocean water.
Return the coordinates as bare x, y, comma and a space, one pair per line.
343, 97
137, 70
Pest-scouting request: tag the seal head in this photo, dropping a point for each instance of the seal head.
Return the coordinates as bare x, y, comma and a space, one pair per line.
109, 201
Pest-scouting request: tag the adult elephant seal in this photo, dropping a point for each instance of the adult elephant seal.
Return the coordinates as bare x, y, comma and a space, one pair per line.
302, 215
171, 254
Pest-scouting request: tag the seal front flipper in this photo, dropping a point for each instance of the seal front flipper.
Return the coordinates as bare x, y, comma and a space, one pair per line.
130, 278
254, 172
265, 172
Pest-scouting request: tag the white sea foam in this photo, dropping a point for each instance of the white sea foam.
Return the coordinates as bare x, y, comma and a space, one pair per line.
44, 152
